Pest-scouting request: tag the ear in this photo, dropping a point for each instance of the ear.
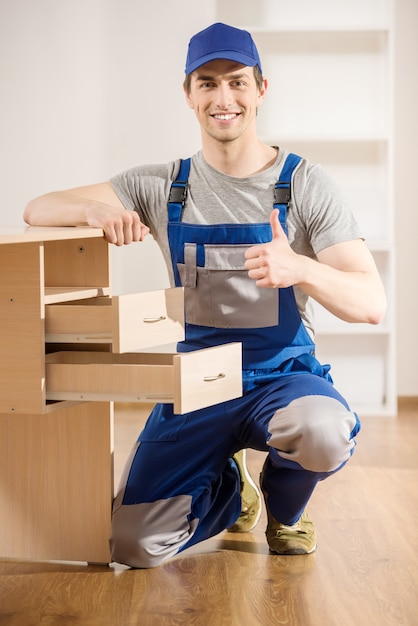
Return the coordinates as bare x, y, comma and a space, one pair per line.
262, 92
188, 97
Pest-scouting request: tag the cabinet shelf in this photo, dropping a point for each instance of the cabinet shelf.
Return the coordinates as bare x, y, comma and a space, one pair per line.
55, 295
303, 15
353, 330
319, 30
380, 245
327, 141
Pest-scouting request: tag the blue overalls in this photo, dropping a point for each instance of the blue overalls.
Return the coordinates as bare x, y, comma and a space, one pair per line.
180, 486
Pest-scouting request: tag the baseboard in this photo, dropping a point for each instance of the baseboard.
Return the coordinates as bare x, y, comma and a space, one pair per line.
409, 403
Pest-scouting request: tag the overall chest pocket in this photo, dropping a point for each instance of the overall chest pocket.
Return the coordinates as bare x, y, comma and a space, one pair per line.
220, 293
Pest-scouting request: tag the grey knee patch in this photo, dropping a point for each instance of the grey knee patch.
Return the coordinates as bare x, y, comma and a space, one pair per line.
313, 431
146, 534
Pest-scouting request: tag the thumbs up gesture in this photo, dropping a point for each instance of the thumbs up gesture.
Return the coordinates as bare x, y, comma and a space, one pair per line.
273, 264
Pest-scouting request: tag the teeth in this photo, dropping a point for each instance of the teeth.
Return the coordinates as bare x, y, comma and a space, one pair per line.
229, 116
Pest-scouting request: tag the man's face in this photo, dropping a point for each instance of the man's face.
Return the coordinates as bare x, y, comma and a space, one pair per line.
225, 97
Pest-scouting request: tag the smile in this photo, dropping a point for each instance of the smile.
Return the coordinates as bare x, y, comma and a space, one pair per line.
225, 116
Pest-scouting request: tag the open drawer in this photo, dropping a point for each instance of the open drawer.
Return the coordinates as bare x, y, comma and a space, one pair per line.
190, 381
128, 322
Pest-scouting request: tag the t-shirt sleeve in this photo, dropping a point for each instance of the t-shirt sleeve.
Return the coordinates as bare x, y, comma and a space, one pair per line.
145, 189
125, 189
322, 210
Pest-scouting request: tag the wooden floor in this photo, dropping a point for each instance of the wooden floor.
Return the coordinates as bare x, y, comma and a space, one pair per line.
364, 573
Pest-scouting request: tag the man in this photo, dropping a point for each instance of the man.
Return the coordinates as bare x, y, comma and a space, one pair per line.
252, 234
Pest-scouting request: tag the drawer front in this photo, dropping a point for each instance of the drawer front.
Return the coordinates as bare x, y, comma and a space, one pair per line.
189, 381
207, 377
143, 320
129, 322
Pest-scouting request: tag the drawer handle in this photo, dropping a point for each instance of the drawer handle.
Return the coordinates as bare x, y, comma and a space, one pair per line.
152, 320
209, 379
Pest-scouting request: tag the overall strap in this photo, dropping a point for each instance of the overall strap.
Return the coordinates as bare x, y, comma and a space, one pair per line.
178, 192
283, 190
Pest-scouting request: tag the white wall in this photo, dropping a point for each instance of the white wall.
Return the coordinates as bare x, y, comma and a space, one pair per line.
91, 87
406, 196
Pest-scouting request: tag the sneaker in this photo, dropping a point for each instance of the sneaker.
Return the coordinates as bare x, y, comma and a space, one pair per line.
300, 538
250, 497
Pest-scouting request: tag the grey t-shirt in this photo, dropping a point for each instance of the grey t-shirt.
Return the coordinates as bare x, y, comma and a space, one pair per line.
318, 216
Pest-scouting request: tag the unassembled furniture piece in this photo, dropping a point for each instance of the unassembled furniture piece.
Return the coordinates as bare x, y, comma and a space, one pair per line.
67, 352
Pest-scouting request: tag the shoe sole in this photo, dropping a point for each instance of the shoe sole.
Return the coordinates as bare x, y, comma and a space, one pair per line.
294, 552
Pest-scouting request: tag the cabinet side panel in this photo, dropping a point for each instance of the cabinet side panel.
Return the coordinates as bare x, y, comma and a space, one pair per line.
22, 361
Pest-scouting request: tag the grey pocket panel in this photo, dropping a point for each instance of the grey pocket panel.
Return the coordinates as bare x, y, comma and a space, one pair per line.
221, 294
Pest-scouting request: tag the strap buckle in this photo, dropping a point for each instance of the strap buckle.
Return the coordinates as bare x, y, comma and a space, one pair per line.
178, 192
282, 195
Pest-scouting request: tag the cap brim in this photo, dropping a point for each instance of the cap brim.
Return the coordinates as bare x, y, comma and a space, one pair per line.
229, 55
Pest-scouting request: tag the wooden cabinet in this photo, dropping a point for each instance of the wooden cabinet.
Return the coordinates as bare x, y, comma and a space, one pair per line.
69, 349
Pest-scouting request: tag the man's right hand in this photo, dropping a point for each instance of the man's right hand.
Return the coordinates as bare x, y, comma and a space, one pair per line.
120, 227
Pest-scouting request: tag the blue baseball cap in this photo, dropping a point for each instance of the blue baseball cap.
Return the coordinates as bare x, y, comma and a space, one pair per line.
221, 41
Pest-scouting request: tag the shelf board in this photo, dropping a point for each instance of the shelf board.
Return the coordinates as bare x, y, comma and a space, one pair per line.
324, 140
351, 330
320, 30
379, 245
55, 295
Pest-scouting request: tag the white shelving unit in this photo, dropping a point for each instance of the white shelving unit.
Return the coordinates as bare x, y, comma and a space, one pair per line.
330, 71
